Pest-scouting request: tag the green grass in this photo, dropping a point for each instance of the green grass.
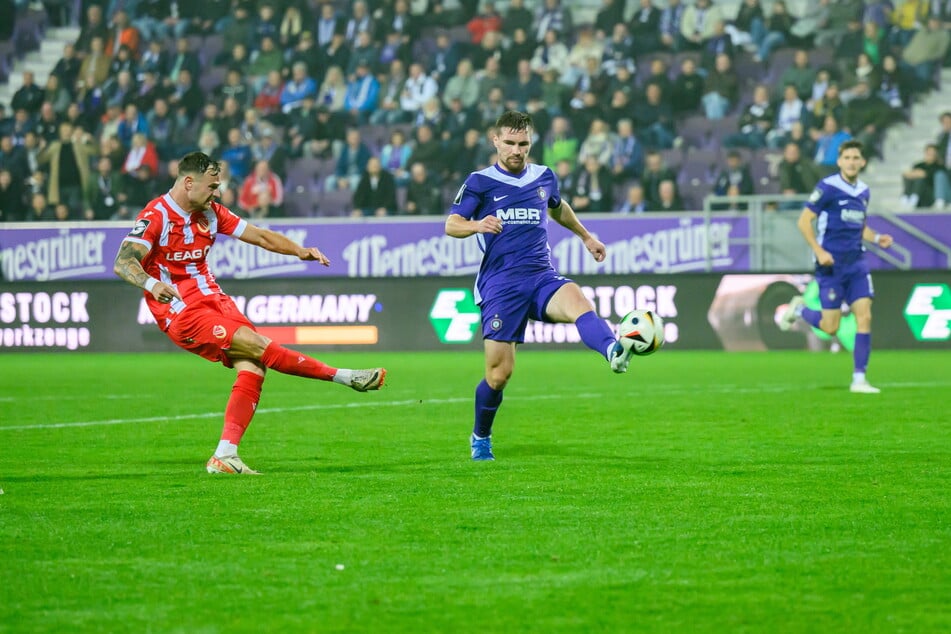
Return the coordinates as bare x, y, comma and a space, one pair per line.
701, 492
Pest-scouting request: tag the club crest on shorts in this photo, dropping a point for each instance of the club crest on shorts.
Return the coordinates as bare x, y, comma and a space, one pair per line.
542, 193
831, 294
495, 323
219, 331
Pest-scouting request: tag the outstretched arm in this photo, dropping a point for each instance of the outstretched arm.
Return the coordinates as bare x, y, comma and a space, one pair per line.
128, 266
278, 243
566, 217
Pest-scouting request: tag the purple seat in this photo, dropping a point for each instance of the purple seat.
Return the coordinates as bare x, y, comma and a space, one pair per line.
764, 167
335, 203
300, 204
211, 78
699, 167
210, 48
748, 70
697, 132
673, 158
725, 127
693, 195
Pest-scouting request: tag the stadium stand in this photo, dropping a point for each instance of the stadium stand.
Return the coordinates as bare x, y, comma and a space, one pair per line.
307, 126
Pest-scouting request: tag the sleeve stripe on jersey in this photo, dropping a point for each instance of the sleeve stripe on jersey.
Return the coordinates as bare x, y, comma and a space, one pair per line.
145, 243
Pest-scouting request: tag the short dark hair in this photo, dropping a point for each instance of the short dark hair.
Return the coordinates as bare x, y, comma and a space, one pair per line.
198, 163
514, 120
852, 145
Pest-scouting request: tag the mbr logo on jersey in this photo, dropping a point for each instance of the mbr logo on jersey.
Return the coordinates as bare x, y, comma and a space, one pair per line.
519, 215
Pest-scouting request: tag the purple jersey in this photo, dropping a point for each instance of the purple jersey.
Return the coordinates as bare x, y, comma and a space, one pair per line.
841, 208
521, 202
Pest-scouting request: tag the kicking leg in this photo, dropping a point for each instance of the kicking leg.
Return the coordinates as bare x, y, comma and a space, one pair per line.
569, 305
247, 344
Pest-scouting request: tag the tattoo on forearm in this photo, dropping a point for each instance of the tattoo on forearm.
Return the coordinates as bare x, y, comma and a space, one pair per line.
128, 264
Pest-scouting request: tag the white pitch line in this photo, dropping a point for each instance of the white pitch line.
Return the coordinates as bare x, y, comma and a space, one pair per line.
269, 410
724, 389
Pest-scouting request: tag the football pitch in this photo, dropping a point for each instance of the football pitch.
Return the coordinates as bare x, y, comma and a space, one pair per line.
700, 492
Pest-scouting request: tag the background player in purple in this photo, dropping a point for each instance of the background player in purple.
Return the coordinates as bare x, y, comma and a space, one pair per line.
838, 207
507, 206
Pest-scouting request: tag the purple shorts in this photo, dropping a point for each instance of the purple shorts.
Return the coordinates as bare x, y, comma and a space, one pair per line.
506, 310
843, 282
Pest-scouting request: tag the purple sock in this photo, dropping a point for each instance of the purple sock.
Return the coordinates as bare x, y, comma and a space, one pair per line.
595, 333
487, 403
862, 350
811, 317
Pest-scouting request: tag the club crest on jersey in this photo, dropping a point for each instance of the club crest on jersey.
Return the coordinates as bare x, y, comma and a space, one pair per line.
202, 224
219, 331
542, 193
140, 227
496, 323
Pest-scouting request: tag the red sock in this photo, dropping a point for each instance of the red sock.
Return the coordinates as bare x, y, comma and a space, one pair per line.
245, 395
279, 358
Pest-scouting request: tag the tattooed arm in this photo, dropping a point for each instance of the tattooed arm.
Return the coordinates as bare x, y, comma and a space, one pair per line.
128, 266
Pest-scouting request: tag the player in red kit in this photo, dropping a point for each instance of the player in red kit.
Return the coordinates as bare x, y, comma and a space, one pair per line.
166, 254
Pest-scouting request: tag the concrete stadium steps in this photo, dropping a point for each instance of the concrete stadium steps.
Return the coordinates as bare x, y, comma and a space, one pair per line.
39, 62
904, 145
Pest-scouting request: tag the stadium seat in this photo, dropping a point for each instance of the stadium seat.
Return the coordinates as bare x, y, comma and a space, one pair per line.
300, 203
697, 132
335, 203
700, 166
211, 46
211, 78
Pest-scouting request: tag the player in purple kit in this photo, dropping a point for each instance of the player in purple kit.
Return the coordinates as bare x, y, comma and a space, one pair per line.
507, 206
838, 206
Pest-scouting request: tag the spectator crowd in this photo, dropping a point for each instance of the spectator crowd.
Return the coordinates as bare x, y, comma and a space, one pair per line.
382, 107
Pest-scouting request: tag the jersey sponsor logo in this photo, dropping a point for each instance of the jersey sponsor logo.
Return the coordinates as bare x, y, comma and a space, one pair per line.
855, 216
181, 256
519, 215
219, 331
458, 198
139, 228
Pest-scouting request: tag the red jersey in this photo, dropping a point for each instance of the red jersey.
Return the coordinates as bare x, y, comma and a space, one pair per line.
178, 244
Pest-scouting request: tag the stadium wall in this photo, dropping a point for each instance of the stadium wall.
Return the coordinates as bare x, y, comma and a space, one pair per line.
702, 311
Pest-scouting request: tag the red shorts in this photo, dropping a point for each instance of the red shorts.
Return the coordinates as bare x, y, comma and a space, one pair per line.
206, 328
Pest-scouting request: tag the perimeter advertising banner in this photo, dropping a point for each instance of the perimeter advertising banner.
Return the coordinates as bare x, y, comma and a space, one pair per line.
662, 243
701, 311
389, 248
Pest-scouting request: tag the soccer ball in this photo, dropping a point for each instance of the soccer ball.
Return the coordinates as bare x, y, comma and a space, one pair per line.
641, 331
